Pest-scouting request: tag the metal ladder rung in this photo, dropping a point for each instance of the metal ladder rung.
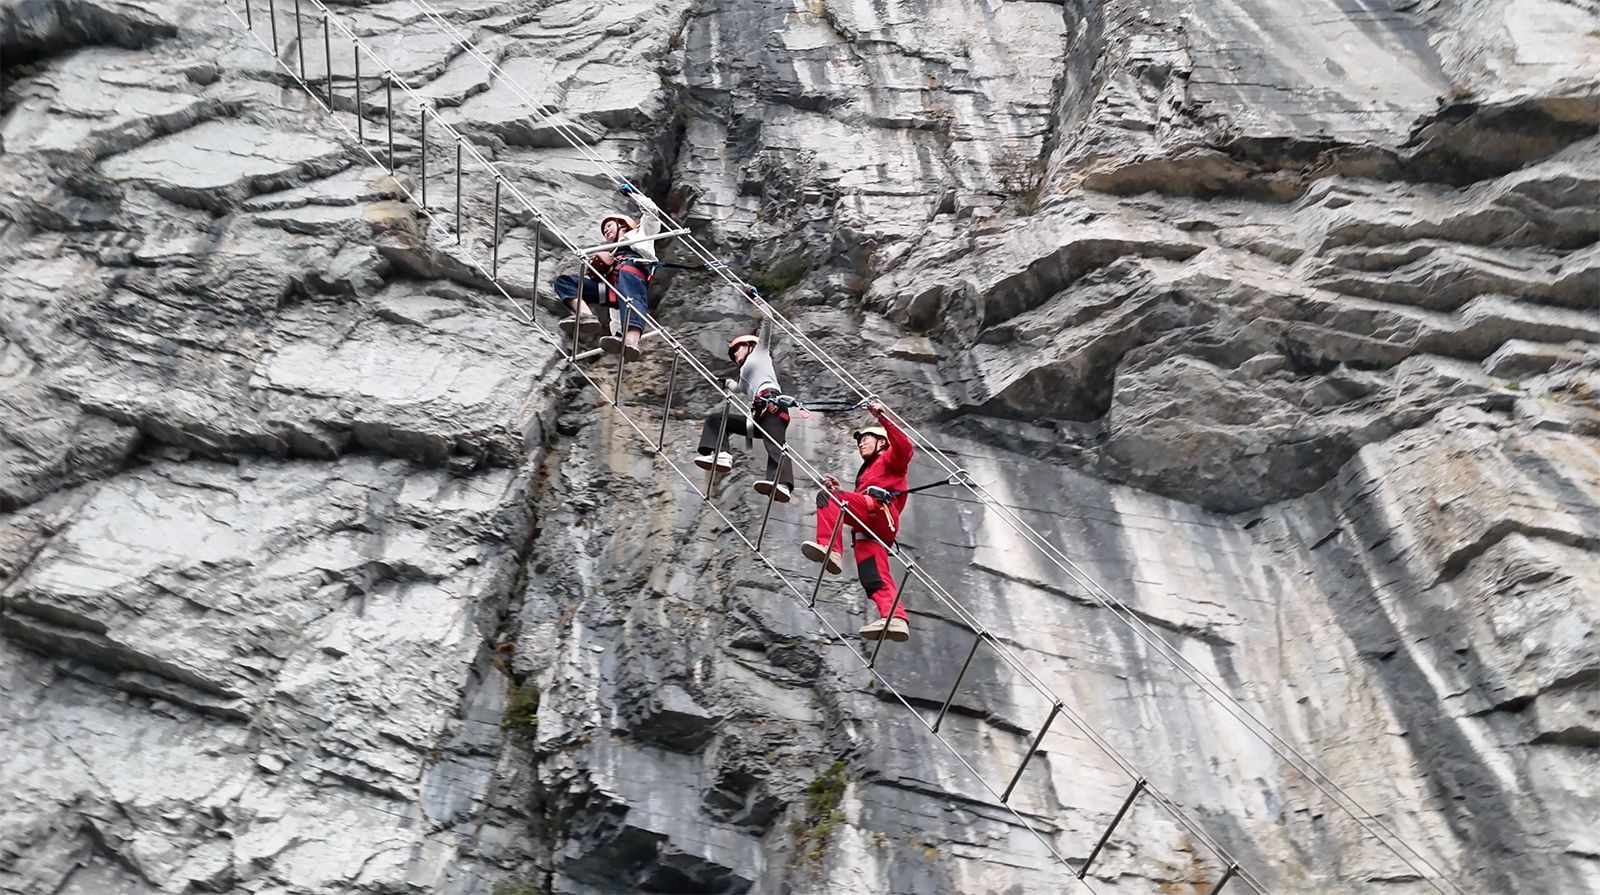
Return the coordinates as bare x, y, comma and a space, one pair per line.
1105, 837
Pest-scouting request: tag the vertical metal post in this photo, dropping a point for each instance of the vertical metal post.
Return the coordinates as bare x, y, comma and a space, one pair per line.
1054, 710
666, 410
538, 250
361, 115
272, 11
1138, 787
827, 551
249, 16
494, 270
722, 433
1226, 875
622, 360
577, 303
423, 120
327, 55
388, 113
899, 593
945, 709
772, 495
458, 189
299, 41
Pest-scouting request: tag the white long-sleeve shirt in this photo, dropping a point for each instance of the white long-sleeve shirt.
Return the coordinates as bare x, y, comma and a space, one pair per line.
758, 374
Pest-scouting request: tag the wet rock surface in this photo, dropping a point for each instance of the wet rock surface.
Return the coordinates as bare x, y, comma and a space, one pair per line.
321, 573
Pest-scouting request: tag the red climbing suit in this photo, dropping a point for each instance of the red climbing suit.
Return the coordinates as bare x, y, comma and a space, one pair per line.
888, 471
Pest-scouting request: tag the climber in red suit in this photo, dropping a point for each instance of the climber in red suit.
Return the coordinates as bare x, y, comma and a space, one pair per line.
875, 505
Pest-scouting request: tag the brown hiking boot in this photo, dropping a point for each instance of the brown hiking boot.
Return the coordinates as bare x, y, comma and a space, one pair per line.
894, 629
815, 552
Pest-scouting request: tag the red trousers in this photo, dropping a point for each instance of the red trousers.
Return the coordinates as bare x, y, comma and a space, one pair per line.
872, 558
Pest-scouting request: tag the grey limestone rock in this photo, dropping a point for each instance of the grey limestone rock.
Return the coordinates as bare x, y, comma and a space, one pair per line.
322, 572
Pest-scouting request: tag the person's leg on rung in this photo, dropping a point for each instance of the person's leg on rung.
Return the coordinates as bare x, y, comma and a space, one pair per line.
708, 450
877, 579
633, 298
830, 506
872, 564
568, 289
778, 466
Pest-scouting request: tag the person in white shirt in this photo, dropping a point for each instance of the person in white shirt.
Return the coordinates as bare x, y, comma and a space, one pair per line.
618, 278
758, 380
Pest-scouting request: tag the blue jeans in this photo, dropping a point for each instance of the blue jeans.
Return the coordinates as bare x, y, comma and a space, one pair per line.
633, 292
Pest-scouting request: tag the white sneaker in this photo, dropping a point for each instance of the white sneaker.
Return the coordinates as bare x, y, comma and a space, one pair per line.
817, 553
764, 487
724, 461
893, 629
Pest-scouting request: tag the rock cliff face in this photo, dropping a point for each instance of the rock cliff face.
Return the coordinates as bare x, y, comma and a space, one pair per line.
322, 573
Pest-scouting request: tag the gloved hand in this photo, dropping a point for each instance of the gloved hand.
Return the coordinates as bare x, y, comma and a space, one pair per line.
627, 189
731, 385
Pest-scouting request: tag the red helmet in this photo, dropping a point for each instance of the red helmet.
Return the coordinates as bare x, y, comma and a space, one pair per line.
733, 346
626, 222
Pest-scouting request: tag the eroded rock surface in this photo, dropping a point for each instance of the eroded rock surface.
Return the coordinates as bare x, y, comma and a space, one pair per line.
321, 573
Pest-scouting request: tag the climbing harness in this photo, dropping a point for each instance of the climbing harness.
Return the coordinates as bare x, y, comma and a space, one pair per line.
681, 353
772, 402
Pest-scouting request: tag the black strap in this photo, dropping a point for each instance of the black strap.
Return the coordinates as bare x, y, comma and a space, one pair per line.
939, 484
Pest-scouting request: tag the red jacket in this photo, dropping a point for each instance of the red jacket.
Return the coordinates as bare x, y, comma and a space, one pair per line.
888, 469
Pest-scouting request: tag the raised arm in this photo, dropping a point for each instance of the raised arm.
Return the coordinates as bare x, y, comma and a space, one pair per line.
898, 459
649, 221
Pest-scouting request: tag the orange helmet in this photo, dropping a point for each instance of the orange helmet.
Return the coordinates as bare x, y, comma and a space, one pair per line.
626, 222
733, 346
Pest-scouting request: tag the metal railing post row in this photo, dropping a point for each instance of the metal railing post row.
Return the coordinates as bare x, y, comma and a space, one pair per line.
948, 700
299, 42
327, 57
899, 594
1138, 787
827, 553
272, 13
666, 408
716, 451
1054, 710
458, 189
